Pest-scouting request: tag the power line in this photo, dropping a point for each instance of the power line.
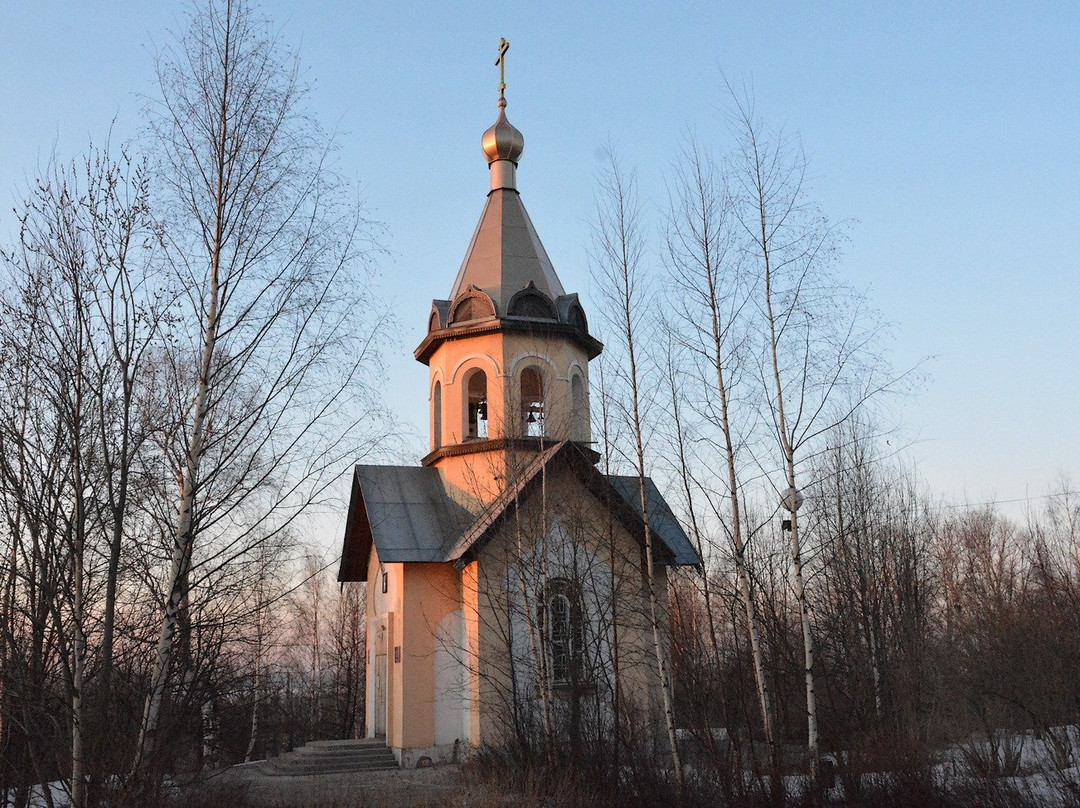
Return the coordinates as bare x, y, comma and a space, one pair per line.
953, 506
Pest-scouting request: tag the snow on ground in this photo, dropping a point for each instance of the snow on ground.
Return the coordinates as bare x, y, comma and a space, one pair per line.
37, 798
1042, 766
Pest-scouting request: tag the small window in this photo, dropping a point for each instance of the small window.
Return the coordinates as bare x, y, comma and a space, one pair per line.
578, 421
477, 405
532, 403
436, 415
561, 624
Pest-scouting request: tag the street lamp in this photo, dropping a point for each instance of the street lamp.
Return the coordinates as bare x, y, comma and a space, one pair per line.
790, 504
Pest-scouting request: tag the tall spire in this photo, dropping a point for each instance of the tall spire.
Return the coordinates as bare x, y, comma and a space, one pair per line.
506, 282
502, 143
505, 255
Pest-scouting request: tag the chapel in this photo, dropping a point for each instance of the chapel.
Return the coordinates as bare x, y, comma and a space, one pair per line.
505, 573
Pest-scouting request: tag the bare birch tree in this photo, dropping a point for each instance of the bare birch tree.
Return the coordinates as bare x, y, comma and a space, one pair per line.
78, 318
818, 358
270, 360
53, 238
711, 295
131, 301
875, 590
618, 254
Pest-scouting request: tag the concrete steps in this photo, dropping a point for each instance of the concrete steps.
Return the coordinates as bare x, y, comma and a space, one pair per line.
332, 757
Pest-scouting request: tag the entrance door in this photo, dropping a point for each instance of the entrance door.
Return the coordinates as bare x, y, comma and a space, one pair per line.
380, 693
377, 698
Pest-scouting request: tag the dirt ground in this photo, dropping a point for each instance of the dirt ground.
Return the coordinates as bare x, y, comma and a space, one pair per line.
243, 786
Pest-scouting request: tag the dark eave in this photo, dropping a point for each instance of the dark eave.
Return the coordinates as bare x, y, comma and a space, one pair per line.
356, 546
474, 446
508, 325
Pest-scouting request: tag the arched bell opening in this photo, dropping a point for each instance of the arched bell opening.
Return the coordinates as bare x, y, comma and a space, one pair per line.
476, 405
533, 412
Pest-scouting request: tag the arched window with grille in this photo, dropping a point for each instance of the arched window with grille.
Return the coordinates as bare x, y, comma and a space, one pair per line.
563, 631
532, 403
476, 406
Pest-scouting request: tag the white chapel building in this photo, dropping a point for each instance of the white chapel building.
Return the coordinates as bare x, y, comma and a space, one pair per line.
506, 594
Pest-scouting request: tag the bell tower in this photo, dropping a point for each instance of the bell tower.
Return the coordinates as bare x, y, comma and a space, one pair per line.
509, 351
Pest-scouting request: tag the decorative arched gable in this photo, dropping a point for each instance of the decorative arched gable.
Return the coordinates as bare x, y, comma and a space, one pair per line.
575, 316
473, 305
571, 312
531, 302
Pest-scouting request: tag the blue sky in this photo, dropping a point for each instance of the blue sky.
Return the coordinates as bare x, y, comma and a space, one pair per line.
949, 133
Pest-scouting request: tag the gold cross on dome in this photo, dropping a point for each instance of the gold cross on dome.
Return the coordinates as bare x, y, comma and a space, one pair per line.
504, 46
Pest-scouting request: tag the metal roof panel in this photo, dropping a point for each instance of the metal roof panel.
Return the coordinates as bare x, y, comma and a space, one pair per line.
661, 519
411, 517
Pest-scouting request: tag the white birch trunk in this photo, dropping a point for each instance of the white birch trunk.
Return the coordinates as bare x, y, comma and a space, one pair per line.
796, 558
616, 695
207, 716
256, 683
650, 574
536, 649
181, 563
745, 593
791, 492
78, 672
875, 666
183, 538
254, 712
618, 239
184, 535
808, 641
78, 546
316, 659
697, 249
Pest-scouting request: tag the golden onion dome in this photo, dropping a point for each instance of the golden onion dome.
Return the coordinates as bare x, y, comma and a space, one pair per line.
503, 141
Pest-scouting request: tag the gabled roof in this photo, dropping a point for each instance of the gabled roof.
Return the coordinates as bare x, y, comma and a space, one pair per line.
505, 254
406, 511
410, 516
494, 512
621, 494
